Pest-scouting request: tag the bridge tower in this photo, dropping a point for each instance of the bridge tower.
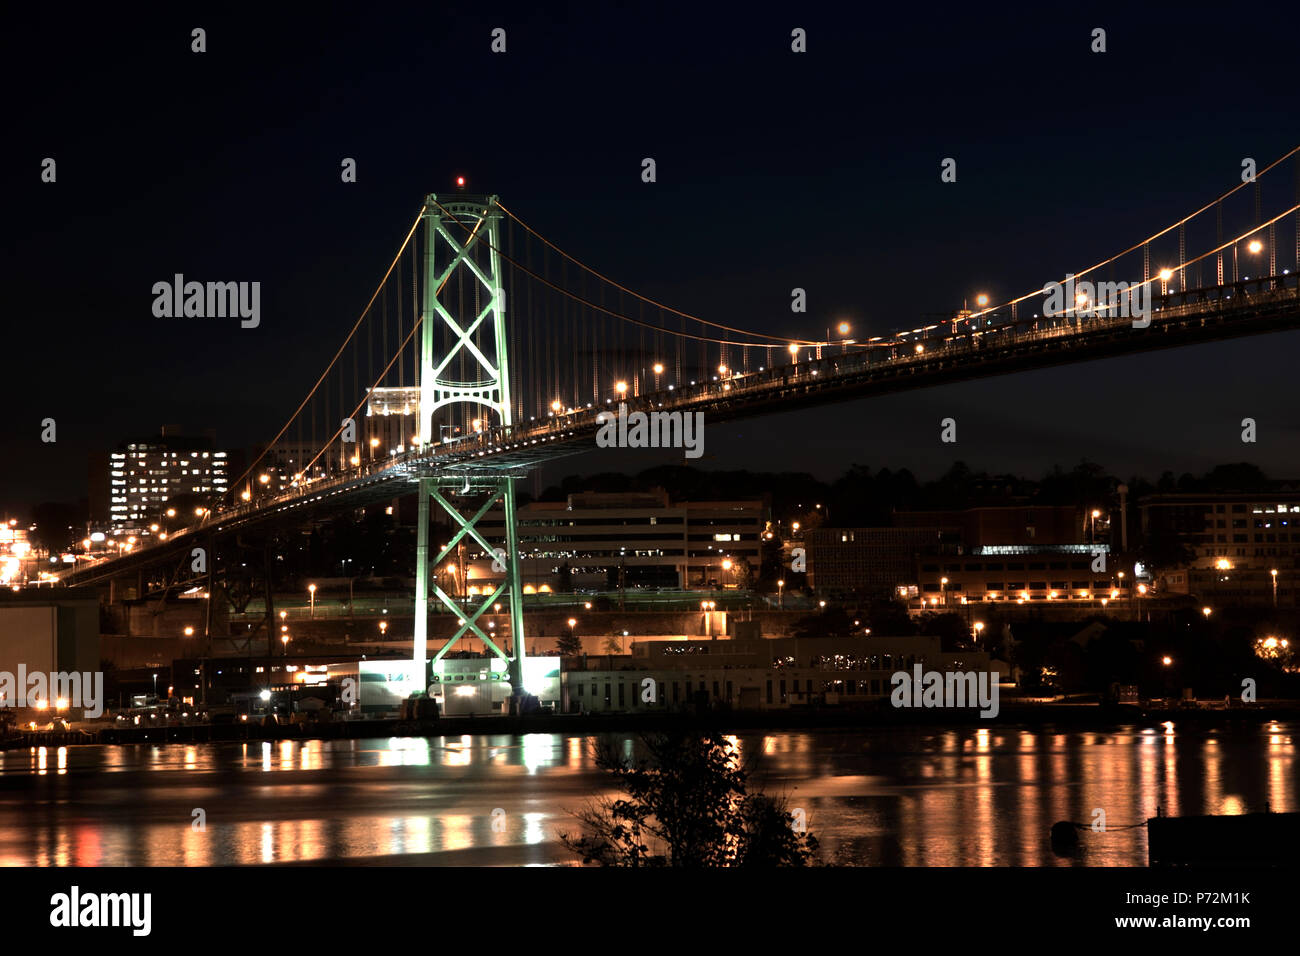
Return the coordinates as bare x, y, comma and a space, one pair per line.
457, 230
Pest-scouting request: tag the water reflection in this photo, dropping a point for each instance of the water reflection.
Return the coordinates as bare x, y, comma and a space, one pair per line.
915, 797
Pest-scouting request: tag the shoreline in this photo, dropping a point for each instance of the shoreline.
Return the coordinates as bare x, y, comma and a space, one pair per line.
1078, 717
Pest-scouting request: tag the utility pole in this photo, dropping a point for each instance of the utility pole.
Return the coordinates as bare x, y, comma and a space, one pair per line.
1123, 519
207, 624
270, 600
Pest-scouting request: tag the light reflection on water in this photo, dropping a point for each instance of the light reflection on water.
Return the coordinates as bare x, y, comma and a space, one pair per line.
911, 797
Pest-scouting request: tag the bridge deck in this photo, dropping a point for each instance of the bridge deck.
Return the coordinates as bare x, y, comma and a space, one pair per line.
1200, 315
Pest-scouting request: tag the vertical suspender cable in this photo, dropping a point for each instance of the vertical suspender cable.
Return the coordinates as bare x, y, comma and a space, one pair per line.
575, 347
680, 339
1182, 259
1218, 216
401, 381
415, 313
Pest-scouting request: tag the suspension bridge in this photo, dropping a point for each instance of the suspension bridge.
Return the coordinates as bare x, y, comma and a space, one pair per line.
486, 350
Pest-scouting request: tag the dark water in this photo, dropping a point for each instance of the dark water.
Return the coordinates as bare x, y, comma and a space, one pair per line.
915, 797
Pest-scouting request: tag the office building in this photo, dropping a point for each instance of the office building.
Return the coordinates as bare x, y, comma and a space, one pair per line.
630, 540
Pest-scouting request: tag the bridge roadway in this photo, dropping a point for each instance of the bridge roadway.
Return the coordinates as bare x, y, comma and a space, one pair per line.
1185, 318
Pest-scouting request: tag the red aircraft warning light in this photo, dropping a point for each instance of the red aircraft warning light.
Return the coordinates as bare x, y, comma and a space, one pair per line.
460, 182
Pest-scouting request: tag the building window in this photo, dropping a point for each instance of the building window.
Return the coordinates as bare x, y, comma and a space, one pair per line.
769, 691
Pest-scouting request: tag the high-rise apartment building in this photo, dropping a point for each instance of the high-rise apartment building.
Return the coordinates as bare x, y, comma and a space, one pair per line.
146, 476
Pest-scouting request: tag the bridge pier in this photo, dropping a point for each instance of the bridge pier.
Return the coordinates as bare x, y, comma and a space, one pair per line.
421, 635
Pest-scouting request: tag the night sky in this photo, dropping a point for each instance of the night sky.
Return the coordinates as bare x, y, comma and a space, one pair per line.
775, 170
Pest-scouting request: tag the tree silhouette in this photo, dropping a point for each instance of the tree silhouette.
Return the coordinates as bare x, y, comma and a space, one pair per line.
686, 805
569, 644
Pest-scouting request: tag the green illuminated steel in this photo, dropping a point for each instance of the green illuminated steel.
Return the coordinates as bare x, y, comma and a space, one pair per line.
459, 226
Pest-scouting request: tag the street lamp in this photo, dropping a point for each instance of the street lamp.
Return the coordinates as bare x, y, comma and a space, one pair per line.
707, 607
979, 630
1253, 247
780, 595
311, 591
1206, 612
843, 330
1274, 573
943, 583
1092, 526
